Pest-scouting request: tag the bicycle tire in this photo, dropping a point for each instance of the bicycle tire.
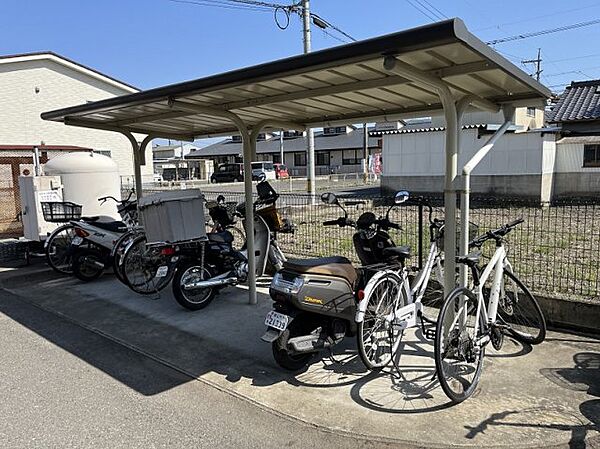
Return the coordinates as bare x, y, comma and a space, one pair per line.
526, 305
147, 282
118, 252
63, 262
440, 353
370, 351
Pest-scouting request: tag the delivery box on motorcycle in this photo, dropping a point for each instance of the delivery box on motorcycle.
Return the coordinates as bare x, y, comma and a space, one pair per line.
173, 216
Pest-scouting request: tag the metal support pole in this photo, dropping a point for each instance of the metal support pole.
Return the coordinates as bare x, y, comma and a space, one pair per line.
451, 114
281, 161
310, 135
420, 235
366, 152
466, 188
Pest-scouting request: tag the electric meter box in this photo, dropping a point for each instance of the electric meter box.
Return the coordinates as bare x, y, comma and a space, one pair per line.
173, 216
35, 190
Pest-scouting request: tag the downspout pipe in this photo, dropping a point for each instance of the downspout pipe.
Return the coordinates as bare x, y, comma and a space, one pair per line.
466, 188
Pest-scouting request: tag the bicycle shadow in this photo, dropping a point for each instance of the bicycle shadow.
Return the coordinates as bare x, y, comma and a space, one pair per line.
583, 377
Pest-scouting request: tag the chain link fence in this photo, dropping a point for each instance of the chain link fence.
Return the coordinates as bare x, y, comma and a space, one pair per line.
556, 251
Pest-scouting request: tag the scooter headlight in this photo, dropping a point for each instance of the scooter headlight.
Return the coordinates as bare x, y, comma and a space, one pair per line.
291, 286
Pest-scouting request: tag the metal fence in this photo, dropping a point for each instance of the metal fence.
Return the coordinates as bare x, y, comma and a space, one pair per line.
556, 251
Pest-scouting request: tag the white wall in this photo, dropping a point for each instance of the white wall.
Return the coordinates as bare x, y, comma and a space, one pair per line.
59, 87
569, 159
423, 154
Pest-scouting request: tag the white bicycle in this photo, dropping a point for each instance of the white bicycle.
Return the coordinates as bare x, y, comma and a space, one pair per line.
473, 317
391, 304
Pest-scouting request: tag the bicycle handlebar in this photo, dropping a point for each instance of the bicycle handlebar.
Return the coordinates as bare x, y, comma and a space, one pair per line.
496, 234
341, 222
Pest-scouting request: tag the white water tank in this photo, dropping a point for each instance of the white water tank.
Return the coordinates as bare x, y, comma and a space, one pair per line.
87, 176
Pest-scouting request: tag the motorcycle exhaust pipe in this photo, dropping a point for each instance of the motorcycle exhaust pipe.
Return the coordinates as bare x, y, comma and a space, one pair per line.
210, 283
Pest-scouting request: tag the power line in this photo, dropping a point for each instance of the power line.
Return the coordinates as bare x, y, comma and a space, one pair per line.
423, 11
554, 14
543, 32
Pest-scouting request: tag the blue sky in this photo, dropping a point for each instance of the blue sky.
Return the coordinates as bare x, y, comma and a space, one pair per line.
150, 43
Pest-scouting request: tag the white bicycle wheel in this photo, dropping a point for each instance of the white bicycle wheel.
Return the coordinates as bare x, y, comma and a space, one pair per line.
378, 338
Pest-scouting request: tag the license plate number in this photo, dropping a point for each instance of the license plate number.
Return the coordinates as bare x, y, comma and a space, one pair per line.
77, 241
162, 271
277, 320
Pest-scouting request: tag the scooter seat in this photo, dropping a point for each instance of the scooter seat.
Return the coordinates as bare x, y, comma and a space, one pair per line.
328, 266
220, 237
112, 226
401, 252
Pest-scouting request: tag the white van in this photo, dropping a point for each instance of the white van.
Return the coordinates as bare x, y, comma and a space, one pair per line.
266, 168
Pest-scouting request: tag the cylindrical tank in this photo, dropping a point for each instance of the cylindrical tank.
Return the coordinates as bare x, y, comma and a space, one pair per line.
87, 176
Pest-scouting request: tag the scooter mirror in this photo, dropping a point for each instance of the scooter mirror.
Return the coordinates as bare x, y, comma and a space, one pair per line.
401, 197
329, 198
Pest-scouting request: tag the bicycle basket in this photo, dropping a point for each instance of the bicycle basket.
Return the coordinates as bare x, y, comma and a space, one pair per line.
60, 211
439, 235
272, 217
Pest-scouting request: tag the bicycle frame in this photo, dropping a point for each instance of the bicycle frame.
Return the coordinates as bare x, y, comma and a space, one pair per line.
497, 265
406, 315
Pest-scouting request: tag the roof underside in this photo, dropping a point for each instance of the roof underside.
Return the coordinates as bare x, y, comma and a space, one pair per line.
346, 84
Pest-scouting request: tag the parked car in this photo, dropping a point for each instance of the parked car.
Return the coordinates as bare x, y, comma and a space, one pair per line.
228, 173
281, 171
263, 168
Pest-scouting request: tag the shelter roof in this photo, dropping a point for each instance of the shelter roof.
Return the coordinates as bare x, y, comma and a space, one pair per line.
345, 84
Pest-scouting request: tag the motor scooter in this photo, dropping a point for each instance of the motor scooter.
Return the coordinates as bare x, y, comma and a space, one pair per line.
95, 237
315, 300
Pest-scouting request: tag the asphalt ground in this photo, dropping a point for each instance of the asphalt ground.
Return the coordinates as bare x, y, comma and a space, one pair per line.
64, 386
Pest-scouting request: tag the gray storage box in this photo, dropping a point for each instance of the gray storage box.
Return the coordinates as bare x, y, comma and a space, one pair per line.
173, 216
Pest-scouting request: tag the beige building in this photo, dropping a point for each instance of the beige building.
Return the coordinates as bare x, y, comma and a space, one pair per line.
38, 82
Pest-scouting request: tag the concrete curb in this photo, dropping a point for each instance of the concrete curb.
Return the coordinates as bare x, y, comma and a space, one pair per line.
561, 314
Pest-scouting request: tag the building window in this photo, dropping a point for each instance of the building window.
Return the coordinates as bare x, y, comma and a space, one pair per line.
236, 138
531, 112
351, 157
103, 152
299, 159
322, 157
591, 155
276, 158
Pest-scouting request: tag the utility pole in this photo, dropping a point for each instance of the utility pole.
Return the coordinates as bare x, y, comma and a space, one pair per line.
538, 64
310, 136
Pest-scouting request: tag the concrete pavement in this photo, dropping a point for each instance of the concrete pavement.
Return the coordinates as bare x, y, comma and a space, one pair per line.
547, 396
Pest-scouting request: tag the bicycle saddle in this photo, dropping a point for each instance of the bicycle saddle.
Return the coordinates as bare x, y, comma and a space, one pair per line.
471, 259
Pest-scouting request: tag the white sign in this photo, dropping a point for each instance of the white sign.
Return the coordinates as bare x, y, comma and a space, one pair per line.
49, 195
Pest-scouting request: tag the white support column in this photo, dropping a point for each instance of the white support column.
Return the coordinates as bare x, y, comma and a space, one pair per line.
249, 145
449, 105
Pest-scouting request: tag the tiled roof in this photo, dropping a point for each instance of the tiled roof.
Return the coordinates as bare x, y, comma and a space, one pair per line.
579, 101
351, 140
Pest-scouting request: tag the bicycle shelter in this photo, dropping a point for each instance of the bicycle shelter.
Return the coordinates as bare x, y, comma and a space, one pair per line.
439, 68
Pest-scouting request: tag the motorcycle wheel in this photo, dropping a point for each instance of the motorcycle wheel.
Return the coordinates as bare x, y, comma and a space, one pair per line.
84, 264
290, 362
192, 299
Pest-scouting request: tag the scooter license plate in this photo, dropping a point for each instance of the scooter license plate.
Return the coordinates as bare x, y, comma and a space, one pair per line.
162, 271
277, 320
76, 241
